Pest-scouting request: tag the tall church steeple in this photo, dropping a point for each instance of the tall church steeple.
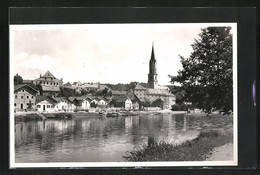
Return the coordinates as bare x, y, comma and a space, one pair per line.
152, 76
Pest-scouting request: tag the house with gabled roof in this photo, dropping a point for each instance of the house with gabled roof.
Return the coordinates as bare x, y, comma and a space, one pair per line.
24, 97
49, 84
81, 102
67, 84
103, 101
48, 79
64, 104
122, 102
45, 104
77, 85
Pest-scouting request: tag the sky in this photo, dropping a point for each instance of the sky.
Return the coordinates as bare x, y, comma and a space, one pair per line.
105, 53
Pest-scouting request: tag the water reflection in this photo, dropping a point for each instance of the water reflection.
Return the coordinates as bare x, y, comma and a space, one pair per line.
89, 139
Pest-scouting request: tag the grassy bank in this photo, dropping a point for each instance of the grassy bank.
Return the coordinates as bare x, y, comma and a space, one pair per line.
194, 150
28, 117
41, 116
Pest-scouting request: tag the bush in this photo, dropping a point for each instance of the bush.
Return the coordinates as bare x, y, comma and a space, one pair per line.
195, 150
175, 108
183, 107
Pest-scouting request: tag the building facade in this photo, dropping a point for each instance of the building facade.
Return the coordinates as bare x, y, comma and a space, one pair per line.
24, 97
48, 80
91, 86
45, 104
49, 84
64, 104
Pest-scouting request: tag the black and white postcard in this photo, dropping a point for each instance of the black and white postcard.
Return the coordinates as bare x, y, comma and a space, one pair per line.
123, 95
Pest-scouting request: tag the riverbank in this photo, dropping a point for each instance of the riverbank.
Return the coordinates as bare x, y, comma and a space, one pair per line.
41, 116
35, 116
211, 143
195, 150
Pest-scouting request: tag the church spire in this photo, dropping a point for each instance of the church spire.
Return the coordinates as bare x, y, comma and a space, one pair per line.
152, 56
152, 76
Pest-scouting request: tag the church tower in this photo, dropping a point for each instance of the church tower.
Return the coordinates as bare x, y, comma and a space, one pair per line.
152, 76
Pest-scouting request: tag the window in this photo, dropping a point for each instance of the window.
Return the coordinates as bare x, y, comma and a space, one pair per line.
38, 106
16, 96
27, 96
48, 106
23, 90
32, 96
47, 82
27, 104
14, 104
21, 97
32, 104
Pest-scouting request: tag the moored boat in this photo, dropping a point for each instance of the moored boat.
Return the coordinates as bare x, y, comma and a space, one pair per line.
112, 114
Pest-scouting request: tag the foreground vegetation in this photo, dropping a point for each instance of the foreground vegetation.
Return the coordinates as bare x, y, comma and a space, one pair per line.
41, 116
195, 150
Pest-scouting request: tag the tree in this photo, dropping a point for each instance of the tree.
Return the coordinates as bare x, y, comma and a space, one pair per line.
206, 75
84, 92
104, 92
179, 97
18, 79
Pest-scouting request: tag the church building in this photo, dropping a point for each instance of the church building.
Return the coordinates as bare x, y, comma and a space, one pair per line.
154, 94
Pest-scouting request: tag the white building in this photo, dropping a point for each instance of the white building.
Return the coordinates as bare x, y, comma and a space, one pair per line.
128, 104
45, 104
81, 103
77, 85
64, 104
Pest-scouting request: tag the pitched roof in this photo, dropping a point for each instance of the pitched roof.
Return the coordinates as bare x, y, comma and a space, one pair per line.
116, 92
162, 92
80, 98
58, 99
42, 98
17, 87
121, 98
72, 98
77, 83
51, 88
139, 86
48, 74
163, 87
67, 84
27, 81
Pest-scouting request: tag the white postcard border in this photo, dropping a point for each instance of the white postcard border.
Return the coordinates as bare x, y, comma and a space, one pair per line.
204, 164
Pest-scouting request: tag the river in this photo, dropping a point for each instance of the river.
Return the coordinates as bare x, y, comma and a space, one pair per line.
93, 139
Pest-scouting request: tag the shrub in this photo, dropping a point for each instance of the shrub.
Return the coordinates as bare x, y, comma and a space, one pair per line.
175, 108
194, 150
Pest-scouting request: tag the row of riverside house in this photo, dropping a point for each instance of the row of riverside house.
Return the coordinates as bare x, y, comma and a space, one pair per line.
28, 98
